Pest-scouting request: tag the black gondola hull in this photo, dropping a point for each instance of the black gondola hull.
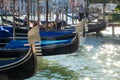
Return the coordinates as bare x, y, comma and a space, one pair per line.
96, 27
53, 49
24, 69
61, 49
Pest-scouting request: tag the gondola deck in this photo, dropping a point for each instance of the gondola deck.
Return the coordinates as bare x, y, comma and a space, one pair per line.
49, 47
19, 67
24, 62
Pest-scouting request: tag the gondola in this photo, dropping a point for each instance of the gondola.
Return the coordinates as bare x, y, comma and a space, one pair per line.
12, 23
48, 47
21, 32
8, 15
97, 26
19, 67
5, 32
92, 27
73, 17
42, 22
21, 20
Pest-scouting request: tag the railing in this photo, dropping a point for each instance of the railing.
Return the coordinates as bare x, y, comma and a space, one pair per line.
114, 21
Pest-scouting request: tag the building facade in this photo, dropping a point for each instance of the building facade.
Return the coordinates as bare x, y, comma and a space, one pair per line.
6, 6
21, 6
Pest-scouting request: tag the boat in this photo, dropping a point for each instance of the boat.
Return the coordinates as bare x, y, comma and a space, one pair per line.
7, 14
45, 35
92, 27
48, 47
42, 22
19, 67
73, 17
96, 26
5, 32
12, 23
21, 20
8, 29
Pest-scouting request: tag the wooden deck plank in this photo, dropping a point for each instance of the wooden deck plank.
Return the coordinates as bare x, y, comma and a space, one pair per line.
114, 25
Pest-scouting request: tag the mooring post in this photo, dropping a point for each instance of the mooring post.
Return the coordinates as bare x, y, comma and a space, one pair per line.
113, 25
14, 19
113, 31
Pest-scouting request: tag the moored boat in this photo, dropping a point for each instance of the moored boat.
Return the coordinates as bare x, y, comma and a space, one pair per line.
21, 20
48, 47
97, 26
22, 32
93, 27
12, 23
18, 67
73, 17
63, 23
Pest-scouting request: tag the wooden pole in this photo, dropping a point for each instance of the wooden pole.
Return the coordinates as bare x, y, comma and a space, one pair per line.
72, 13
38, 11
28, 7
2, 5
6, 13
19, 14
87, 9
31, 11
113, 31
50, 13
66, 14
104, 4
47, 9
14, 19
62, 15
34, 11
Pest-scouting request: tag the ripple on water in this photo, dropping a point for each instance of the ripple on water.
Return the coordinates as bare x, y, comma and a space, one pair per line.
98, 58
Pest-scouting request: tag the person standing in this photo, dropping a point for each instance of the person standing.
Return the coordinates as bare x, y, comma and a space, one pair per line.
25, 20
81, 12
58, 24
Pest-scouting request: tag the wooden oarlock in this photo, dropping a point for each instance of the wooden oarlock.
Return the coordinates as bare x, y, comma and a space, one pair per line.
33, 37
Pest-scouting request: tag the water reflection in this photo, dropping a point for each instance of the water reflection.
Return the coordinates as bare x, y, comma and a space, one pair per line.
98, 58
51, 70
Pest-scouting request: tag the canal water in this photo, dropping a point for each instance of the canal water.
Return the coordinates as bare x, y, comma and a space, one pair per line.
98, 58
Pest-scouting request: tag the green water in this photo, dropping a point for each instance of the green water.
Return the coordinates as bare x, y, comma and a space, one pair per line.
98, 58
